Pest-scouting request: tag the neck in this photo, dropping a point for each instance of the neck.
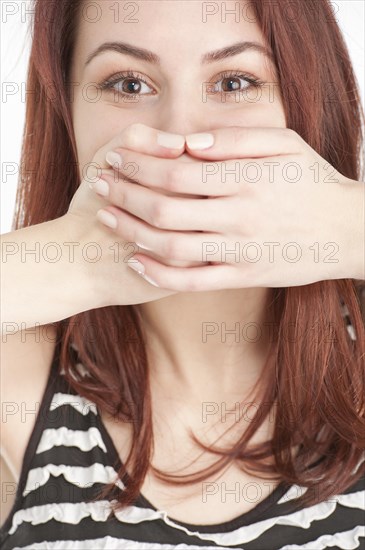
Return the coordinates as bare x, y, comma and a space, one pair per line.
207, 345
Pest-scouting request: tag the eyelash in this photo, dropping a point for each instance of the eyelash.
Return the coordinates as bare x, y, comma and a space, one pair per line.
116, 79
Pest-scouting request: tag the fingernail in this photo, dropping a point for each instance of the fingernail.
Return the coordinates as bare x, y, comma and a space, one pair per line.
100, 186
114, 159
137, 266
143, 246
199, 141
171, 141
149, 280
140, 269
107, 218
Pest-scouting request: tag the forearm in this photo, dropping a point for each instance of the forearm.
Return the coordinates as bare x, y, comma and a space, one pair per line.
42, 278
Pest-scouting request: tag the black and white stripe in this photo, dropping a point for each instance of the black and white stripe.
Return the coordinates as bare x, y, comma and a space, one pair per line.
69, 458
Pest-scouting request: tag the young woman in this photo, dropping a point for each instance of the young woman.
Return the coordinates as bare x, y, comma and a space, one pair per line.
213, 395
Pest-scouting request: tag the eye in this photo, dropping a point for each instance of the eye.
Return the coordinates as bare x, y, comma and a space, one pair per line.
234, 82
127, 83
131, 84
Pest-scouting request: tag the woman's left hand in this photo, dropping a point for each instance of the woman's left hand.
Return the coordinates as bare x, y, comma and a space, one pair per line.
278, 214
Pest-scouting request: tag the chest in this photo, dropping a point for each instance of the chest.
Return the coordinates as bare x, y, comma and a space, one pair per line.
219, 498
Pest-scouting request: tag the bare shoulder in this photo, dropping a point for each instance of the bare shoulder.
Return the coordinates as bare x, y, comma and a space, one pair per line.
25, 359
9, 487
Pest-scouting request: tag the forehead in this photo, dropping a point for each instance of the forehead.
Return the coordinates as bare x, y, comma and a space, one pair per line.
174, 29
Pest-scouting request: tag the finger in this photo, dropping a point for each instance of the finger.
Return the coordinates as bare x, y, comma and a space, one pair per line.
179, 246
189, 279
179, 175
169, 212
198, 178
237, 141
142, 138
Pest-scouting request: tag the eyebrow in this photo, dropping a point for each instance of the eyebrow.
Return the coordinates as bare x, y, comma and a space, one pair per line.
150, 57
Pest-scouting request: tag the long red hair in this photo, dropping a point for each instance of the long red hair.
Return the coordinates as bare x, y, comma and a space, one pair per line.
316, 377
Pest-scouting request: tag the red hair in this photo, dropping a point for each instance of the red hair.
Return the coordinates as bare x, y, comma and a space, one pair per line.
310, 54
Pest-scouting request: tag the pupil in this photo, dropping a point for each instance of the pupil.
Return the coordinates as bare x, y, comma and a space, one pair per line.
131, 86
234, 82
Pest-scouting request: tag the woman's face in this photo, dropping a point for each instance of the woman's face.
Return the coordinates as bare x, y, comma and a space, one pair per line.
183, 93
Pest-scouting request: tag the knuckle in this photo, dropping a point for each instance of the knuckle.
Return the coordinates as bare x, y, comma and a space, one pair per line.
117, 195
174, 177
238, 135
191, 285
292, 134
129, 233
131, 134
249, 233
172, 248
160, 214
251, 223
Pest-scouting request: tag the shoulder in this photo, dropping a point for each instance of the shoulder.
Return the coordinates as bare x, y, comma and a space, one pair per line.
25, 359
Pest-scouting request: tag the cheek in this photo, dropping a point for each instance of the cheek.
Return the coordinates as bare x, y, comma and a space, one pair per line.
88, 135
269, 115
254, 114
96, 124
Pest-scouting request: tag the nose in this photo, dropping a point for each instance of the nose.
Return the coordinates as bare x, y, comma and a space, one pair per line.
184, 114
181, 114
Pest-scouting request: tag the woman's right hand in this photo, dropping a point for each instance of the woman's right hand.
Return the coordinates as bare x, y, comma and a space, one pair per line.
113, 281
51, 270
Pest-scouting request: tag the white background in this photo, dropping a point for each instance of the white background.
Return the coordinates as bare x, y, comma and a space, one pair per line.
15, 40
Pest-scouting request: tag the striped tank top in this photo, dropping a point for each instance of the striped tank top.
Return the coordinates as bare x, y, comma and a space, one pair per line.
70, 456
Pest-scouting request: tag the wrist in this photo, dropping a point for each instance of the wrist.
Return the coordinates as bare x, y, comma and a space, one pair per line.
84, 256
